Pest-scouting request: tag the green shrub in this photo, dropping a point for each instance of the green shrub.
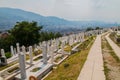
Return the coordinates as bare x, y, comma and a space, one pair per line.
66, 65
8, 55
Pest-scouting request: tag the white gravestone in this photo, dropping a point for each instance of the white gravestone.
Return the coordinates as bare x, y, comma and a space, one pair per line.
4, 61
62, 47
12, 50
22, 66
24, 51
52, 54
18, 48
48, 49
31, 54
3, 53
44, 51
15, 52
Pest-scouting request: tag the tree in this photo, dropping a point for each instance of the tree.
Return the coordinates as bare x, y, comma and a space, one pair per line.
97, 28
26, 33
89, 29
6, 42
44, 36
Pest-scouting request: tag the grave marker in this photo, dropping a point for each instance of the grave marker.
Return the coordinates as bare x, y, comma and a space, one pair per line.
12, 50
44, 48
31, 54
22, 66
18, 48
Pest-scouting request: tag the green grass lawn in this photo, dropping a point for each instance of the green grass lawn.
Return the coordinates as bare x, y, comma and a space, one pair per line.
71, 67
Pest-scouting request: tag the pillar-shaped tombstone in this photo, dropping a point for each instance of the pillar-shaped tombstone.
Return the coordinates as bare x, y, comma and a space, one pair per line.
44, 52
3, 58
24, 51
31, 54
35, 47
48, 49
53, 42
40, 44
12, 50
56, 44
3, 53
15, 52
68, 39
77, 38
62, 47
46, 45
22, 66
18, 48
52, 54
38, 47
82, 37
72, 38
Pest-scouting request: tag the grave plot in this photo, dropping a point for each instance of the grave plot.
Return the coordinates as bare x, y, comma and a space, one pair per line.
70, 67
38, 60
30, 66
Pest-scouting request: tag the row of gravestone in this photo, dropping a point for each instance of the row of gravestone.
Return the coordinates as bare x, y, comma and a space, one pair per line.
47, 47
56, 43
66, 39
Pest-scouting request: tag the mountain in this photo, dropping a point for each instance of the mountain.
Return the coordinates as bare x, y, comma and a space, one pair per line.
9, 17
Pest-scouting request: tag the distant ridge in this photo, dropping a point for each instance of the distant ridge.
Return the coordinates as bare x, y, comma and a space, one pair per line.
9, 16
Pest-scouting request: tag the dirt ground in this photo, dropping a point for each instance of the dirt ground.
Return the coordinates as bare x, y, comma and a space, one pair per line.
112, 66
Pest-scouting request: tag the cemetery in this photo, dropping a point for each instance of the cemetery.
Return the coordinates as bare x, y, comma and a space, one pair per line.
62, 58
70, 68
59, 40
38, 60
46, 59
35, 60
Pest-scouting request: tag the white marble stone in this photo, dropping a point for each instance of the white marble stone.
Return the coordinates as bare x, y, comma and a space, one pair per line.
15, 52
52, 54
3, 53
22, 66
31, 54
44, 52
12, 50
24, 51
18, 48
62, 47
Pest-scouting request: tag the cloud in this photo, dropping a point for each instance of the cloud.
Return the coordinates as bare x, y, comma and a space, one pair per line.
106, 10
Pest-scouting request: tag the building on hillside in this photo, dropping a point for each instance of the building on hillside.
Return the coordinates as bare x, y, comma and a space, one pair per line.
4, 35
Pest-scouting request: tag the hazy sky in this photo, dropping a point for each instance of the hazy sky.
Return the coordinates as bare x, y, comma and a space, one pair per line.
101, 10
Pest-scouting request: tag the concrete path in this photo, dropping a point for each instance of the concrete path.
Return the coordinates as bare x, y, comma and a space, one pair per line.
114, 46
93, 67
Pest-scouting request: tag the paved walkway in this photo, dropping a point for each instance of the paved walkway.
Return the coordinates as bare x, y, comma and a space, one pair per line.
93, 67
114, 46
